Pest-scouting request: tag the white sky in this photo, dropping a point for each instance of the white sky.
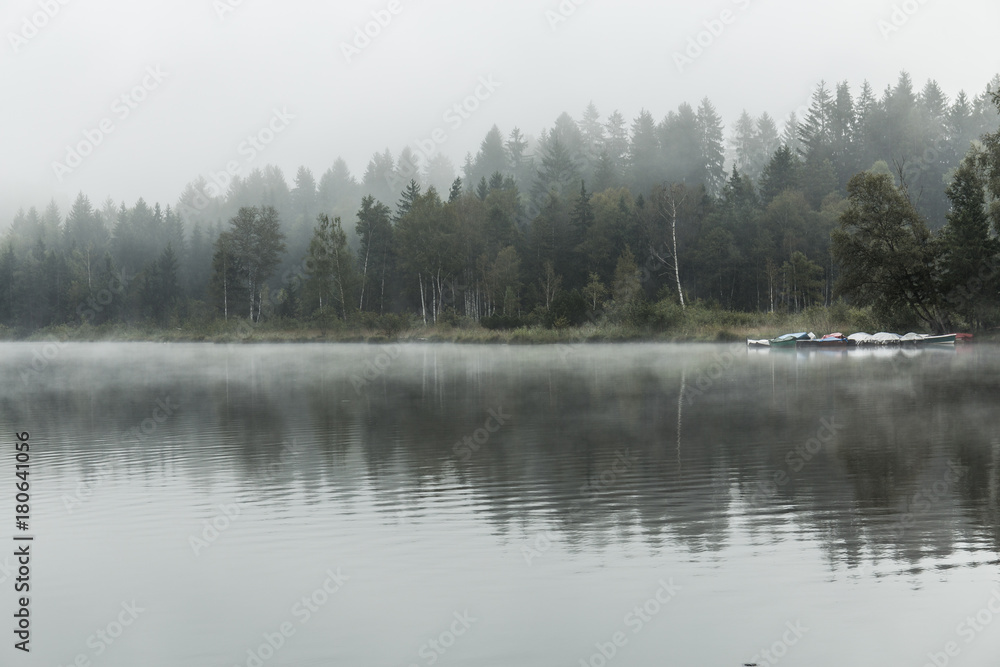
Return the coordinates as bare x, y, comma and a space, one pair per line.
226, 76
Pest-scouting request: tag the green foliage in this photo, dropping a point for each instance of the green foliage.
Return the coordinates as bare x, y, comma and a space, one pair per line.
968, 252
886, 253
526, 235
249, 252
331, 281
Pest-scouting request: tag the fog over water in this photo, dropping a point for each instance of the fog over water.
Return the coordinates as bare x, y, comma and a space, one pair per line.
545, 492
498, 170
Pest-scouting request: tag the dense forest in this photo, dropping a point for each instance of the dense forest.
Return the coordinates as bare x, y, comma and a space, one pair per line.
595, 218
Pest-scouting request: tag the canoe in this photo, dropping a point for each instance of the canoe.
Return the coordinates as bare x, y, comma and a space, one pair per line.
927, 339
789, 340
944, 339
829, 340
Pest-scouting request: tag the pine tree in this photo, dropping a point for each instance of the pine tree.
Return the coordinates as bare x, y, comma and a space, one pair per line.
790, 135
743, 141
681, 147
492, 156
406, 199
558, 171
712, 148
781, 173
766, 142
439, 171
520, 163
969, 251
616, 141
644, 154
843, 124
816, 131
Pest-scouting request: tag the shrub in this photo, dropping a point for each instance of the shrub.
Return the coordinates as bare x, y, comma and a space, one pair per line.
502, 322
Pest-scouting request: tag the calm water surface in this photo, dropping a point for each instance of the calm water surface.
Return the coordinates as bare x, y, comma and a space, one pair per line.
502, 506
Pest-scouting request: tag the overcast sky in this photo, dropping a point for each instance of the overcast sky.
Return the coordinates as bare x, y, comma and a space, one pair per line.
210, 73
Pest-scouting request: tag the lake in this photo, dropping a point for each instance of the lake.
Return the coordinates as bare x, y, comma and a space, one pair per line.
632, 505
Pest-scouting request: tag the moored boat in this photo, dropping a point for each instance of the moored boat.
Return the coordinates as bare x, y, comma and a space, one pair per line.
829, 340
791, 339
886, 338
838, 340
943, 339
859, 338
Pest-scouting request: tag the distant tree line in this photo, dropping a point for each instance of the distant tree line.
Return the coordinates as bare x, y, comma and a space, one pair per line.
595, 217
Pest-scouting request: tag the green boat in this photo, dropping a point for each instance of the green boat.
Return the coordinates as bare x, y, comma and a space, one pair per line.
944, 339
789, 340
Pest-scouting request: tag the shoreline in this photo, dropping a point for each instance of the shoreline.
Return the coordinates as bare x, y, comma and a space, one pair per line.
268, 333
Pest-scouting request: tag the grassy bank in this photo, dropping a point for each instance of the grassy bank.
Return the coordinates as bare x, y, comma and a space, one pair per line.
693, 324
